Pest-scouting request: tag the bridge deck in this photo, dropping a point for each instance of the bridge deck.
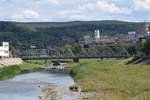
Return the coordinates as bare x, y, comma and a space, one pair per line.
81, 57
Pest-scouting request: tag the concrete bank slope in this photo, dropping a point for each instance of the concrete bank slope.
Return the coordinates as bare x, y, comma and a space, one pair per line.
145, 61
10, 61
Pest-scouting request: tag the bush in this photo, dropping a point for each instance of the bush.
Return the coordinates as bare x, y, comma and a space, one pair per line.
73, 88
146, 47
10, 71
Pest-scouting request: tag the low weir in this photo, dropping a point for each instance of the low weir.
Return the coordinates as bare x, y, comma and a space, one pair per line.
57, 67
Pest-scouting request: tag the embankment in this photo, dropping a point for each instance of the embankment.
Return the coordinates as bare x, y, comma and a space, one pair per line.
9, 72
14, 66
145, 61
10, 62
110, 80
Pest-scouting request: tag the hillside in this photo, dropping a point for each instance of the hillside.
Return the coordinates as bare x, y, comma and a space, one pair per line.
43, 34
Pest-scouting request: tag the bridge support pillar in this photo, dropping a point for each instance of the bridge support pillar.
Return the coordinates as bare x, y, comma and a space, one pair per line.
76, 59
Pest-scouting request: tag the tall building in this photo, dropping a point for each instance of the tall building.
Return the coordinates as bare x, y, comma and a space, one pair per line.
4, 50
145, 28
97, 34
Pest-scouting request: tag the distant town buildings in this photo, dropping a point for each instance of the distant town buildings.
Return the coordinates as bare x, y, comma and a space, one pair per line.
131, 37
145, 29
88, 41
4, 50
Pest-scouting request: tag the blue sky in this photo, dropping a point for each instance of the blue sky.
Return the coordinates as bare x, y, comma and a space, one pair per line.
73, 10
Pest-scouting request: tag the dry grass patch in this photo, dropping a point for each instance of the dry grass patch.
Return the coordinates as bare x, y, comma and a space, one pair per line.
125, 82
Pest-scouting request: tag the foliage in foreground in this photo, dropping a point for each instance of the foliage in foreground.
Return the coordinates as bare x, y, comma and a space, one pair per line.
11, 71
113, 81
8, 72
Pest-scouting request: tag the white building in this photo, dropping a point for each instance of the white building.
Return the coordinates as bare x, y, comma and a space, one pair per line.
4, 50
97, 34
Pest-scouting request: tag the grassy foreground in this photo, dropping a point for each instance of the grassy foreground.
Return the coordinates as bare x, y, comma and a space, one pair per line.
109, 80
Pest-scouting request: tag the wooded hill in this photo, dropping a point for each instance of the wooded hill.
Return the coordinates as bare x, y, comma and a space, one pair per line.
42, 34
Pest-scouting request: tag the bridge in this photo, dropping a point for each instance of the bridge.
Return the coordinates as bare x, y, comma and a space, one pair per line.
81, 57
70, 54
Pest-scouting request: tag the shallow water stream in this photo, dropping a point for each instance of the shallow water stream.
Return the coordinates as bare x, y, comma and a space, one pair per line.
27, 86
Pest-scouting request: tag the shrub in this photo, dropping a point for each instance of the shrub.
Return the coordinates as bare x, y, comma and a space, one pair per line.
146, 47
10, 71
73, 88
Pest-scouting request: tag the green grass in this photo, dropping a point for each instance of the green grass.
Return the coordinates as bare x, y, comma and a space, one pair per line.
11, 71
8, 72
42, 62
30, 66
39, 62
115, 81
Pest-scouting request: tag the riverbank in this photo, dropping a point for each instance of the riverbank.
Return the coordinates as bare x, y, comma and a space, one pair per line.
55, 85
10, 61
98, 79
29, 86
57, 93
110, 80
26, 66
11, 71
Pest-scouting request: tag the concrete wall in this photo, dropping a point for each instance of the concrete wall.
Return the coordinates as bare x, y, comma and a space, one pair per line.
10, 61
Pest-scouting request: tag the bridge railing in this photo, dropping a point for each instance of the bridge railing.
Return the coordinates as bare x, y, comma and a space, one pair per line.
84, 53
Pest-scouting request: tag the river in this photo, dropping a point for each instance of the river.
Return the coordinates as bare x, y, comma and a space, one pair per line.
27, 86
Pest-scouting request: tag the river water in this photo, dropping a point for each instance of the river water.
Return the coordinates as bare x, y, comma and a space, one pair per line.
27, 86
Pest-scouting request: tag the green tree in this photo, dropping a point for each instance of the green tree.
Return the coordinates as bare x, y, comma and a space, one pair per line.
14, 51
145, 47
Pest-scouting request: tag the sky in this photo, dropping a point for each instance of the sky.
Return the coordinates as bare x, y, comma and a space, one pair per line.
74, 10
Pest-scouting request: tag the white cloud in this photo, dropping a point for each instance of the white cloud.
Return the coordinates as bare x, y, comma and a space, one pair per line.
48, 2
69, 12
94, 11
26, 14
80, 15
105, 7
142, 4
65, 10
72, 14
